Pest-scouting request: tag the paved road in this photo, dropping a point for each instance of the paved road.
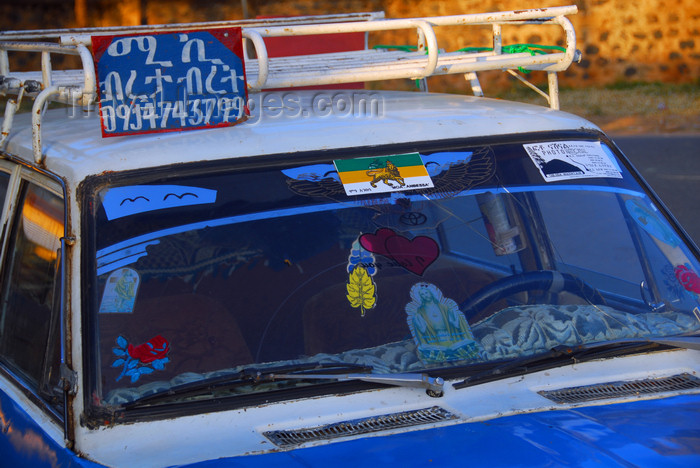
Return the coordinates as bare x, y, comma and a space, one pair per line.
671, 165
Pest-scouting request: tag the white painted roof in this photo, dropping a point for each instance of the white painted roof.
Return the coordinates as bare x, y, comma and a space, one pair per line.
75, 149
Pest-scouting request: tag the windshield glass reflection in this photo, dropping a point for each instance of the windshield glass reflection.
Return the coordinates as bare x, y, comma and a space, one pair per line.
505, 256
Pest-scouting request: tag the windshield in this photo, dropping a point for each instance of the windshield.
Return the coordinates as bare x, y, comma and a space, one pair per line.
397, 261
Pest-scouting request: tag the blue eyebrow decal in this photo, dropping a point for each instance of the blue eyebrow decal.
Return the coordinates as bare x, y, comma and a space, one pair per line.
120, 202
133, 200
180, 196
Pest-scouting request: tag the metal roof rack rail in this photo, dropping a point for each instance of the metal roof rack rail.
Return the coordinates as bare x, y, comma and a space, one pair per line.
151, 28
425, 59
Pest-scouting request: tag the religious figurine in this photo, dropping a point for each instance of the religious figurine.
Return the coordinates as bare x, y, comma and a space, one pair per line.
438, 327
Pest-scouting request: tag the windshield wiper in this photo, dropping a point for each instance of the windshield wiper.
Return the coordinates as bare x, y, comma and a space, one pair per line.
434, 385
261, 375
247, 376
563, 355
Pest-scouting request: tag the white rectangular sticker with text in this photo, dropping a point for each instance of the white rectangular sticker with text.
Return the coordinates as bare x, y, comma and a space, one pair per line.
566, 160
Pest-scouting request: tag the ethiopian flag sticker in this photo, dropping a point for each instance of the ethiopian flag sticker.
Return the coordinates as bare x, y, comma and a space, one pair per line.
362, 176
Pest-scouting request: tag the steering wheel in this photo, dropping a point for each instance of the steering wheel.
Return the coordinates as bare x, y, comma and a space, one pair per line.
545, 280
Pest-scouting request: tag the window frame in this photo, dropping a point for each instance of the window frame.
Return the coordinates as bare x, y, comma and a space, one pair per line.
22, 175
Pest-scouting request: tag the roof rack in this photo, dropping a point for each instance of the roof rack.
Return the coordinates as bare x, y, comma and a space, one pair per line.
78, 87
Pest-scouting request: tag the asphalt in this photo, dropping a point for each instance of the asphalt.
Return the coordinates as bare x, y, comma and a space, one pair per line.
671, 165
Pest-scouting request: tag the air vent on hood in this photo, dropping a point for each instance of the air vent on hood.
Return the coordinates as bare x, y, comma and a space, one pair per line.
359, 426
623, 389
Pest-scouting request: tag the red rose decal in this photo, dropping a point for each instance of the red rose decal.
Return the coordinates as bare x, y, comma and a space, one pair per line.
688, 278
155, 348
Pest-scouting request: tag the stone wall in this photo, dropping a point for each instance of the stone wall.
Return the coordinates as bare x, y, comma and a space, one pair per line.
621, 40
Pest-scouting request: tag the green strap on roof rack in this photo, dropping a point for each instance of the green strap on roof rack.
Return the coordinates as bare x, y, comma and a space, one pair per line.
402, 48
532, 49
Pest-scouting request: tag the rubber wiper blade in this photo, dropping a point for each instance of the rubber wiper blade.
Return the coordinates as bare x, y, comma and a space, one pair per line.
434, 385
514, 367
247, 376
563, 355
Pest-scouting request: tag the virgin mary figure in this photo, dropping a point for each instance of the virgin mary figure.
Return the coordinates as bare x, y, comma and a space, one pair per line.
439, 329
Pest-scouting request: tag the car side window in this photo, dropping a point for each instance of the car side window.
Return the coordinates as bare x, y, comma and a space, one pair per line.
29, 325
4, 184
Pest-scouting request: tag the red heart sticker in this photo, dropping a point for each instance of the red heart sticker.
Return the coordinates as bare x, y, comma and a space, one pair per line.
376, 242
414, 255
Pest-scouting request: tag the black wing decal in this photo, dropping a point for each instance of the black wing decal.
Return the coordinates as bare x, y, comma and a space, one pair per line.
460, 177
326, 187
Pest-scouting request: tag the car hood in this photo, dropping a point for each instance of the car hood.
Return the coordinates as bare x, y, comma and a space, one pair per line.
660, 432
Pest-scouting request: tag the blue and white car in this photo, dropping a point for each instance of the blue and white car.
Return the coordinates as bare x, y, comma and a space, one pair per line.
346, 277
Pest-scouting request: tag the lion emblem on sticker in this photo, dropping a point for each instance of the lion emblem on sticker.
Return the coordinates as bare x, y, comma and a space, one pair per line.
386, 174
